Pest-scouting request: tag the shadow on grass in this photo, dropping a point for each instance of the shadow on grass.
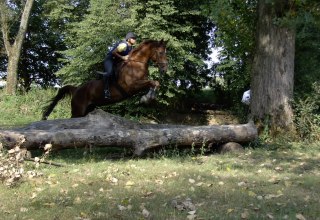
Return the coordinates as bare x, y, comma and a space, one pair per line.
82, 155
99, 154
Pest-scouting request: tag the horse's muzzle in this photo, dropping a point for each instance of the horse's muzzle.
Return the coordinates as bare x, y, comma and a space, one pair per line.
163, 67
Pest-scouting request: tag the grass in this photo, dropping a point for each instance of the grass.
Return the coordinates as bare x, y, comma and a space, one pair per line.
277, 181
258, 184
19, 110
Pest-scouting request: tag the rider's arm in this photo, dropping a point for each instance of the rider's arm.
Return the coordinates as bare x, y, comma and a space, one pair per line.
120, 48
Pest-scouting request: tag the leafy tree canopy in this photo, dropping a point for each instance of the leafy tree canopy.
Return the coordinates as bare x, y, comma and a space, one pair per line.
106, 22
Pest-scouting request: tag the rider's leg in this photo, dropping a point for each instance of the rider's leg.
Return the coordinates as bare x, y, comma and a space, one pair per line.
108, 68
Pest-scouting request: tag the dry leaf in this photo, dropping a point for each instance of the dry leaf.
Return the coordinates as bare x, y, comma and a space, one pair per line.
192, 181
274, 180
259, 197
199, 184
253, 194
121, 207
245, 215
241, 184
114, 180
145, 213
278, 169
230, 210
191, 217
300, 217
23, 209
34, 195
270, 216
129, 183
160, 182
77, 200
48, 147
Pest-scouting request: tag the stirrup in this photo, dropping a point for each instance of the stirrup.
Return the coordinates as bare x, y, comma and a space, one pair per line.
107, 94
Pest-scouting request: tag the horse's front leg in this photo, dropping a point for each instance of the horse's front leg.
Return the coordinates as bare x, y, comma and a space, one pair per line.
151, 95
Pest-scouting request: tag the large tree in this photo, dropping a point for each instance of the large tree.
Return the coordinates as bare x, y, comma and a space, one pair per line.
273, 66
10, 13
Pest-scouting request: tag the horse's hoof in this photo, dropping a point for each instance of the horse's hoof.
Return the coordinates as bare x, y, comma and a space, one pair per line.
144, 100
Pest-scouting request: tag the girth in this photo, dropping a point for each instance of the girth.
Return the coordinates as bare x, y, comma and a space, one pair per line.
121, 90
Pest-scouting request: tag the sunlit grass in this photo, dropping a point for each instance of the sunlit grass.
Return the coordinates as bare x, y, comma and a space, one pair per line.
19, 110
257, 184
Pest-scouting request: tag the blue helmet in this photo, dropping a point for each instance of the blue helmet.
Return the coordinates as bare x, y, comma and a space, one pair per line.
130, 35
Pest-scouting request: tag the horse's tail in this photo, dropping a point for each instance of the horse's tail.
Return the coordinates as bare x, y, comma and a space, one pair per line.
62, 93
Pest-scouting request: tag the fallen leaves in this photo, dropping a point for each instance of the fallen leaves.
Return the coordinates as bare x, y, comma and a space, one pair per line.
185, 205
245, 214
300, 217
129, 183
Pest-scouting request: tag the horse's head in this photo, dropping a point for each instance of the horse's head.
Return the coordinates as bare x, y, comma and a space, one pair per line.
159, 55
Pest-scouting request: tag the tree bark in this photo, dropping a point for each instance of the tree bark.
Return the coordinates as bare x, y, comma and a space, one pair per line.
273, 67
101, 129
13, 50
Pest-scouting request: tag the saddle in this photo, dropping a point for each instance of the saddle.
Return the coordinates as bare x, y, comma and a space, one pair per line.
114, 75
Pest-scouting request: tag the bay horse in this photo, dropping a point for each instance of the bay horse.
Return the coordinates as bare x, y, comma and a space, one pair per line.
132, 77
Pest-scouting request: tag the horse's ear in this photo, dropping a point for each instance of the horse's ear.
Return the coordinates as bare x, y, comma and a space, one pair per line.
165, 42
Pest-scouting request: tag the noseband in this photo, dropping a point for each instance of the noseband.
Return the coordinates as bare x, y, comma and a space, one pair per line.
157, 53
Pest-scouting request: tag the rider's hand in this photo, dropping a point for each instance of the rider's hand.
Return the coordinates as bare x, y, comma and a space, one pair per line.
125, 57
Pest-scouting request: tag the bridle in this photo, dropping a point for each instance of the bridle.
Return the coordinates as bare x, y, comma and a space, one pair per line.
158, 54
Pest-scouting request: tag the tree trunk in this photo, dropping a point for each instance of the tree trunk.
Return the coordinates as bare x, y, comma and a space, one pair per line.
13, 50
273, 68
12, 72
101, 129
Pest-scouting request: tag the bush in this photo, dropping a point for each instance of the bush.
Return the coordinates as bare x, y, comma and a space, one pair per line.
307, 115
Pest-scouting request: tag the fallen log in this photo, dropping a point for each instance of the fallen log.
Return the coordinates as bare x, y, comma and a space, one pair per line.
101, 129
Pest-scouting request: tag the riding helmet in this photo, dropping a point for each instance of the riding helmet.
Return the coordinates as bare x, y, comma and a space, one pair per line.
130, 35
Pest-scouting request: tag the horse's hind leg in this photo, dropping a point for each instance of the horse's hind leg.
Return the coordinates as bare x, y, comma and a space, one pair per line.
90, 108
78, 109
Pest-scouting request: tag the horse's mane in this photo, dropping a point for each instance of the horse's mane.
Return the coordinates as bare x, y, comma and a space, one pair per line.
145, 42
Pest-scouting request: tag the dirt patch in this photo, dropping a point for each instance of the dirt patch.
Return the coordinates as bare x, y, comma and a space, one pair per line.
208, 117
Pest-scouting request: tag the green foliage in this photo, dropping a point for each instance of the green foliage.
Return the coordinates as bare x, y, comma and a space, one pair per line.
184, 26
182, 23
307, 115
307, 72
235, 33
307, 53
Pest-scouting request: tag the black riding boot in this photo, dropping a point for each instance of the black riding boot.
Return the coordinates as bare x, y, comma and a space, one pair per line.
107, 94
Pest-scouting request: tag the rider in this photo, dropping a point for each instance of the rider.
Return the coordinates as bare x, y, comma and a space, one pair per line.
117, 54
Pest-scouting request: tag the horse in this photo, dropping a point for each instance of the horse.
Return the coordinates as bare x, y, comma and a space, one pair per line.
132, 77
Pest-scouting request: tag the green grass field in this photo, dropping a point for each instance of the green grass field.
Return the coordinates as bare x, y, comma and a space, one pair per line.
256, 184
277, 180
